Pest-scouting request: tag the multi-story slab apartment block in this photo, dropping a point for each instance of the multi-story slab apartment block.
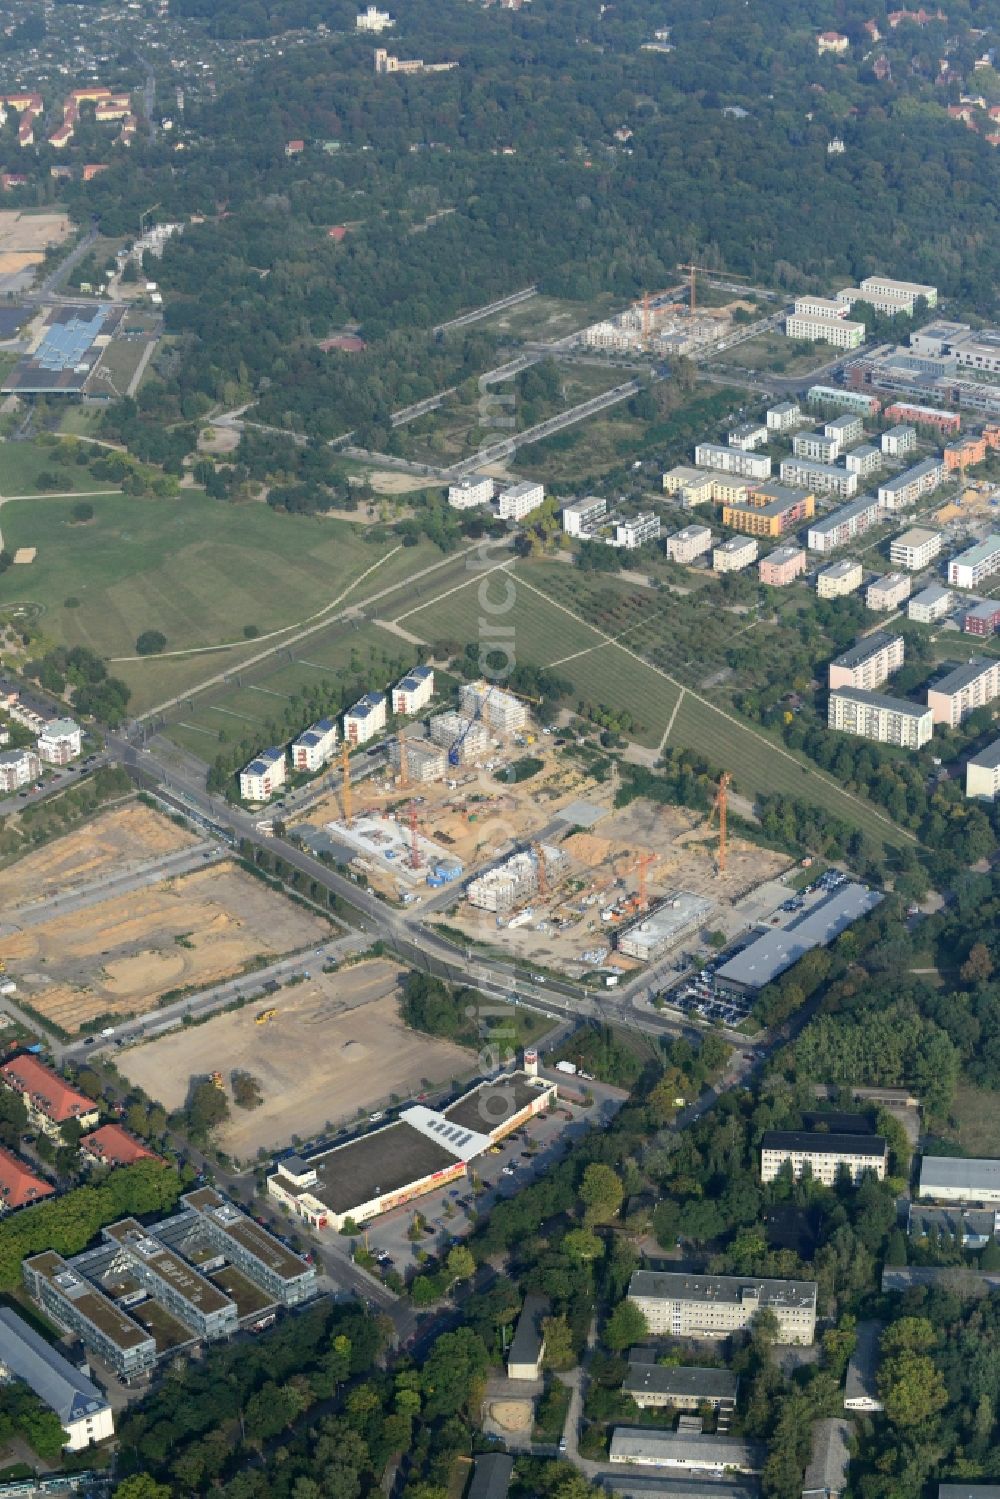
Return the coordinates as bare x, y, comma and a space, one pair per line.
187, 1295
886, 720
713, 1306
315, 747
838, 331
424, 762
905, 489
822, 478
687, 545
734, 554
285, 1276
982, 773
682, 1387
732, 461
770, 510
366, 719
811, 306
264, 775
782, 566
475, 489
962, 691
844, 400
580, 517
500, 710
899, 441
18, 767
845, 429
783, 417
915, 549
887, 295
869, 662
515, 501
471, 739
888, 592
837, 529
932, 603
973, 566
689, 486
945, 422
414, 691
82, 1309
634, 533
748, 435
816, 446
825, 1157
863, 461
839, 579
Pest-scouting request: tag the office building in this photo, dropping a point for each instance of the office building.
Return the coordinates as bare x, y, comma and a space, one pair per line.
83, 1412
366, 719
681, 1387
903, 490
823, 478
732, 461
734, 554
863, 461
515, 501
501, 711
186, 1294
973, 566
816, 446
825, 1157
982, 773
846, 429
264, 775
770, 510
679, 1305
947, 1178
747, 436
634, 533
414, 691
783, 417
963, 690
315, 747
887, 720
683, 1451
899, 441
839, 579
915, 549
860, 1386
887, 593
982, 619
93, 1317
929, 605
869, 662
59, 742
837, 331
687, 545
286, 1277
475, 489
18, 767
581, 517
782, 566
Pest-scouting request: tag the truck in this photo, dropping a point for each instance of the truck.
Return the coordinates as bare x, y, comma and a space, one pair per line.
108, 1030
568, 1067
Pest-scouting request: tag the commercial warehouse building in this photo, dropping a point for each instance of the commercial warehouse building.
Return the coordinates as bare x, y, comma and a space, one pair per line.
976, 564
683, 1387
947, 1178
962, 691
982, 773
82, 1410
678, 1305
686, 1451
825, 1156
763, 959
874, 715
868, 662
837, 529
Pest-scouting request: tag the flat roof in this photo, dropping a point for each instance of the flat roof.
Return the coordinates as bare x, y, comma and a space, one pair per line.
837, 518
668, 1285
737, 543
949, 1171
649, 1444
488, 1106
375, 1164
182, 1277
778, 949
963, 676
900, 481
932, 594
887, 703
969, 1491
245, 1232
916, 536
823, 1142
863, 649
981, 552
836, 569
633, 1484
88, 1301
54, 1380
690, 533
687, 1381
784, 554
956, 1220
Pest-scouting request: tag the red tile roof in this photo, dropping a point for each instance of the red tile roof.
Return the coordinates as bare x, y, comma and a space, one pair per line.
45, 1090
18, 1183
116, 1146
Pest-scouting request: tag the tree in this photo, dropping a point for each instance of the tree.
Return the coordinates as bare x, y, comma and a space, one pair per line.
978, 966
82, 512
461, 1262
625, 1326
150, 642
246, 1091
602, 1193
452, 1372
912, 1389
141, 1486
558, 1337
581, 1244
207, 1108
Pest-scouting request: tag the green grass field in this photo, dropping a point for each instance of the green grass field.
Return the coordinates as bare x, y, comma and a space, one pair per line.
22, 462
548, 317
977, 1117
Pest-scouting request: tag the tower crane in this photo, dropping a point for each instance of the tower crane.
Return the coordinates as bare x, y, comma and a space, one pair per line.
345, 781
708, 270
411, 814
720, 804
404, 765
543, 879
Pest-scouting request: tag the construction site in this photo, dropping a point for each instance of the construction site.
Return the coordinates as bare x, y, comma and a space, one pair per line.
662, 325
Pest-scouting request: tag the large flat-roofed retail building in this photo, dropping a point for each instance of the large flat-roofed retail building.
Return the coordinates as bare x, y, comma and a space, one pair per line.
714, 1306
421, 1151
946, 1178
777, 949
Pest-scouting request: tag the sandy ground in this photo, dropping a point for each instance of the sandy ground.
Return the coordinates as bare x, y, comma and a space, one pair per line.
387, 481
336, 1046
120, 956
31, 231
110, 845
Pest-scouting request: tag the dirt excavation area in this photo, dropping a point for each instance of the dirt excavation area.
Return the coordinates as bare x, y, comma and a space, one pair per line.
112, 845
120, 956
335, 1047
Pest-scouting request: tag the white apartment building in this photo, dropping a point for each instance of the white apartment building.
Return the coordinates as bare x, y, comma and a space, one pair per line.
59, 742
906, 488
264, 775
962, 691
846, 429
713, 1306
500, 710
734, 554
974, 566
824, 307
747, 436
821, 478
315, 747
837, 331
930, 605
18, 767
414, 691
816, 446
732, 461
634, 533
840, 579
907, 292
824, 1156
580, 517
869, 662
515, 501
836, 530
473, 490
899, 441
888, 592
82, 1410
374, 20
915, 549
687, 545
366, 719
783, 417
872, 715
863, 461
982, 773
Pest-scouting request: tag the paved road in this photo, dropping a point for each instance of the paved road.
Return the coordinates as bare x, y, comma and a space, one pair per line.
482, 312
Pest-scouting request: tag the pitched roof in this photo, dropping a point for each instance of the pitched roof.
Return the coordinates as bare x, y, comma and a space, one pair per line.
18, 1183
50, 1094
116, 1146
63, 1389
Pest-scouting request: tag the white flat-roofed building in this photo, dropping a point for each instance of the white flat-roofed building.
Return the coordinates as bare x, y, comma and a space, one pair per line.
734, 554
732, 461
839, 579
374, 20
59, 742
82, 1410
817, 446
909, 292
683, 1451
837, 331
899, 441
824, 1156
905, 489
580, 517
962, 691
846, 429
915, 549
691, 486
822, 478
982, 773
473, 490
869, 662
634, 533
843, 525
679, 1305
747, 436
873, 715
265, 775
776, 949
863, 461
685, 546
931, 604
314, 749
18, 767
824, 307
366, 719
976, 564
948, 1178
515, 501
784, 416
888, 592
414, 691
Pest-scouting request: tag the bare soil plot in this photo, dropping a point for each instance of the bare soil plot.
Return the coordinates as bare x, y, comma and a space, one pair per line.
336, 1046
112, 844
32, 231
120, 956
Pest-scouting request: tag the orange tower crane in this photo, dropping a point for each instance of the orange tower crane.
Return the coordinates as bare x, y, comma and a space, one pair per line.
721, 805
543, 879
415, 859
709, 271
345, 783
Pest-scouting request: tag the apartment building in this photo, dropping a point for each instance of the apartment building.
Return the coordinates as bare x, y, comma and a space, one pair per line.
59, 742
682, 1387
982, 773
825, 1157
782, 566
964, 453
869, 662
734, 554
287, 1277
886, 720
453, 731
863, 461
113, 1146
713, 1306
690, 486
366, 719
315, 747
818, 307
18, 768
845, 429
374, 20
816, 446
732, 461
473, 490
846, 400
687, 545
888, 592
747, 436
783, 417
837, 331
982, 619
886, 295
49, 1099
580, 517
905, 489
963, 690
414, 691
93, 1317
915, 549
976, 564
823, 478
770, 510
20, 1187
187, 1294
502, 711
515, 501
265, 775
945, 422
839, 579
930, 604
634, 533
899, 441
843, 525
83, 1412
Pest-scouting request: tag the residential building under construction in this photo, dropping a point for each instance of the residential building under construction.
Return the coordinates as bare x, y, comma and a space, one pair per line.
471, 739
669, 922
501, 710
516, 880
424, 762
